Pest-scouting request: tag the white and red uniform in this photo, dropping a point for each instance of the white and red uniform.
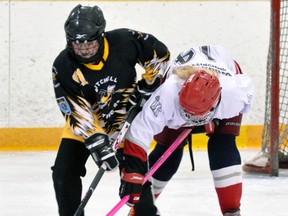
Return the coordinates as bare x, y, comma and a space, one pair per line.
163, 110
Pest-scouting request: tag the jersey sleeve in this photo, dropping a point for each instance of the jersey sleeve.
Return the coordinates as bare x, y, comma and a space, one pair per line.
153, 55
246, 86
222, 54
77, 111
155, 115
236, 96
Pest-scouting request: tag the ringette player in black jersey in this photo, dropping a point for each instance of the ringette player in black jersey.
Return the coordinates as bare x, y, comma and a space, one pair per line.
94, 77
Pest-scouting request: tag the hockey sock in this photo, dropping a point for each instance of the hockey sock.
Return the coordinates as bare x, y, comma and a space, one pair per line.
225, 165
166, 171
170, 166
229, 197
158, 186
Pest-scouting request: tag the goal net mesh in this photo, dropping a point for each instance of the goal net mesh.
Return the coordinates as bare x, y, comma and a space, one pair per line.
262, 158
283, 89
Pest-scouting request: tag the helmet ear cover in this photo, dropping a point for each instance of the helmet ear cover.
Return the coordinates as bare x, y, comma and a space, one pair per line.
200, 95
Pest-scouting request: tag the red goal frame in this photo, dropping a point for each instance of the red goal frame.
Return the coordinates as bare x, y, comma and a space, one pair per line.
275, 68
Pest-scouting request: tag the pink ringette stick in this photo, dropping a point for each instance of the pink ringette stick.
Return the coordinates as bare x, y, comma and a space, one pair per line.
154, 168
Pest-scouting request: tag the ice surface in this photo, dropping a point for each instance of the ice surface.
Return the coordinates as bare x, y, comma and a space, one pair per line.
26, 189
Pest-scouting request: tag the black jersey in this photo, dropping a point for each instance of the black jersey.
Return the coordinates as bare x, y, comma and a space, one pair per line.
93, 98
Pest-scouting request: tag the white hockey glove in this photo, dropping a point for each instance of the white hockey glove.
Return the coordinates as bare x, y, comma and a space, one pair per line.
101, 151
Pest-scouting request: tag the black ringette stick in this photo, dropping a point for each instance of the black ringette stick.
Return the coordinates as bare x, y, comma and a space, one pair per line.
131, 115
91, 189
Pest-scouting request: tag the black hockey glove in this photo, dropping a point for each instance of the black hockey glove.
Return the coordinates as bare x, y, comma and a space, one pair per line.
142, 92
101, 151
132, 178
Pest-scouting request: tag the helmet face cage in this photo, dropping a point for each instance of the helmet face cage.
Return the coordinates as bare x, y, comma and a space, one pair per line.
198, 120
85, 50
84, 25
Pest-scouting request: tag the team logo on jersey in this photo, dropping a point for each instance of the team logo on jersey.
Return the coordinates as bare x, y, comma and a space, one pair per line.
106, 95
156, 106
63, 105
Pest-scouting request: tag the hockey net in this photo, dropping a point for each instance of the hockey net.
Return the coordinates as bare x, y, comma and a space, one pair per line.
262, 161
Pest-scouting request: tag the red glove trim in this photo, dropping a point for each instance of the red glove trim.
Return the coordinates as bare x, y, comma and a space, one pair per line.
134, 177
134, 150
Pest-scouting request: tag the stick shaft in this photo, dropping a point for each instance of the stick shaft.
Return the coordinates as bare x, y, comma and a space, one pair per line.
154, 168
131, 115
91, 189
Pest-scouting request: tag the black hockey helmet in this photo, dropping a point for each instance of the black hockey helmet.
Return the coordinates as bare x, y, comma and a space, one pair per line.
85, 24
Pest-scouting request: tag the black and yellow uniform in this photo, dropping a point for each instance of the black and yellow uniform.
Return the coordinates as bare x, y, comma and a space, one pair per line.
93, 98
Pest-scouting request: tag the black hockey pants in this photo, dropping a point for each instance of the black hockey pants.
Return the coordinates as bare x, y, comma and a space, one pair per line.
69, 166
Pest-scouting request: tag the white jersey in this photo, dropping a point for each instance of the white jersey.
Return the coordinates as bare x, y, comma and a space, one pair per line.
163, 108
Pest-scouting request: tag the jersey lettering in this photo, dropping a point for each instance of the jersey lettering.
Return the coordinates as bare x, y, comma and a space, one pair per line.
206, 51
104, 81
156, 106
185, 57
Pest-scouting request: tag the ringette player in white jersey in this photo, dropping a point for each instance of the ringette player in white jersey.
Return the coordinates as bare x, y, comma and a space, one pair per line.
204, 87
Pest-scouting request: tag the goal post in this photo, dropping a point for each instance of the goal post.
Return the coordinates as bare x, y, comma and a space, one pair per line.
275, 60
274, 151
